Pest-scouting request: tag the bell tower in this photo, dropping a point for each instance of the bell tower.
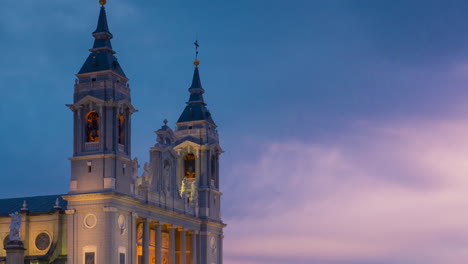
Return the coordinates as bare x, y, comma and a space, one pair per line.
198, 149
197, 145
102, 112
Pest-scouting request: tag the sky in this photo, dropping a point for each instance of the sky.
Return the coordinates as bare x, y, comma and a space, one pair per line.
344, 122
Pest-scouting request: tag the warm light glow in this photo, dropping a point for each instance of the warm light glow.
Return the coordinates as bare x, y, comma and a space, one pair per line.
189, 161
92, 126
121, 129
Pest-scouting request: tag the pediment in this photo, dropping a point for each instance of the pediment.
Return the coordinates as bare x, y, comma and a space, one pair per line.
187, 144
85, 100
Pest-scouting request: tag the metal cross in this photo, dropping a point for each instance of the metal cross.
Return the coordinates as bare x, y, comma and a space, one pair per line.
196, 48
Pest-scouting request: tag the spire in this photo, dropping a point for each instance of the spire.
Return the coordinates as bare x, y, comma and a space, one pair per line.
102, 22
196, 83
102, 55
196, 107
101, 34
196, 90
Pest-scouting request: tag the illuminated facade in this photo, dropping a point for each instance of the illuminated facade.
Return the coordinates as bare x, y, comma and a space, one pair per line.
168, 215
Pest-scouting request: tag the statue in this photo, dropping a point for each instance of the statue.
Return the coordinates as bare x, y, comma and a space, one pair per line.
183, 189
193, 192
147, 173
135, 169
15, 227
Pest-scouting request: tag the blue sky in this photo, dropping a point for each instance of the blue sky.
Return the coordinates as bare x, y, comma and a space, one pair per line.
327, 110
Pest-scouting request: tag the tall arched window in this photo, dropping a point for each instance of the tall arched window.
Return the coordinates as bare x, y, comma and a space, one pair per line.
121, 129
189, 166
92, 126
213, 169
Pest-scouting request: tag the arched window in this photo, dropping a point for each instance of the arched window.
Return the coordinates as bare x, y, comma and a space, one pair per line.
213, 169
167, 176
189, 166
121, 129
92, 126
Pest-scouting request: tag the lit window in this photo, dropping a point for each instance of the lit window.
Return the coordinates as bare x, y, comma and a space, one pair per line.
121, 129
92, 126
189, 166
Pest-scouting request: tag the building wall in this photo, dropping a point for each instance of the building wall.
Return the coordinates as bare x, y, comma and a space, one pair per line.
53, 224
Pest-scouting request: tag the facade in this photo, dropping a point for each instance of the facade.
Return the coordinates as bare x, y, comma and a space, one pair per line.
168, 215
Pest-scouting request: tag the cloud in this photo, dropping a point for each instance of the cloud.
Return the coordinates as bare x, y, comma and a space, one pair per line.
387, 194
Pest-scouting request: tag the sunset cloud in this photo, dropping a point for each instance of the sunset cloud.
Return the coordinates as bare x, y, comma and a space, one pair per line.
390, 194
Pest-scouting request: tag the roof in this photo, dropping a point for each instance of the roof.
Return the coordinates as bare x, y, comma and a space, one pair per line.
195, 112
102, 25
37, 204
101, 61
196, 82
102, 55
196, 107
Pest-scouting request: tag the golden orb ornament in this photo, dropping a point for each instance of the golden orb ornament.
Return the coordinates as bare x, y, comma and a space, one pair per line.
102, 2
196, 62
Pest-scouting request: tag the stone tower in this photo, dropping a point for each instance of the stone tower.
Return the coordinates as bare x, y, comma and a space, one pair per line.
102, 112
183, 172
197, 145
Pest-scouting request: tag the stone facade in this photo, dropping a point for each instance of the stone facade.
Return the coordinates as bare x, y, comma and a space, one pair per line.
43, 230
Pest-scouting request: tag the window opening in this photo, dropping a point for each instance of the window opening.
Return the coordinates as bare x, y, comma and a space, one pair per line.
92, 126
189, 168
121, 129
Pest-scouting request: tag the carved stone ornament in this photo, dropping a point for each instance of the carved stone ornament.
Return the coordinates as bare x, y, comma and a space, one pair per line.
121, 223
213, 246
90, 221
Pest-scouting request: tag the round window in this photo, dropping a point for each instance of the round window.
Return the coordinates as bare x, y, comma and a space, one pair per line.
42, 241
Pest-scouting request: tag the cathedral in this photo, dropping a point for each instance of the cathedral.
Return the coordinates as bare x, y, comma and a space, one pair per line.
168, 215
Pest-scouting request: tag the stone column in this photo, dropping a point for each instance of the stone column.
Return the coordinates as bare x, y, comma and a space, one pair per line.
159, 243
172, 250
193, 250
146, 255
15, 252
183, 247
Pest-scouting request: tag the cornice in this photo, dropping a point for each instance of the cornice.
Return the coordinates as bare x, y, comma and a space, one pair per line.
99, 156
214, 224
89, 74
139, 206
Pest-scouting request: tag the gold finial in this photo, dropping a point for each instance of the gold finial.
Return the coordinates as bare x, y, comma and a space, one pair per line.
102, 2
196, 62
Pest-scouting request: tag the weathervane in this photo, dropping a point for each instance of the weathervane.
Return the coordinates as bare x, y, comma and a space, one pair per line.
196, 62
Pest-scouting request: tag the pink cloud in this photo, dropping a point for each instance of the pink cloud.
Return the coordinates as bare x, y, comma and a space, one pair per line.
390, 194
